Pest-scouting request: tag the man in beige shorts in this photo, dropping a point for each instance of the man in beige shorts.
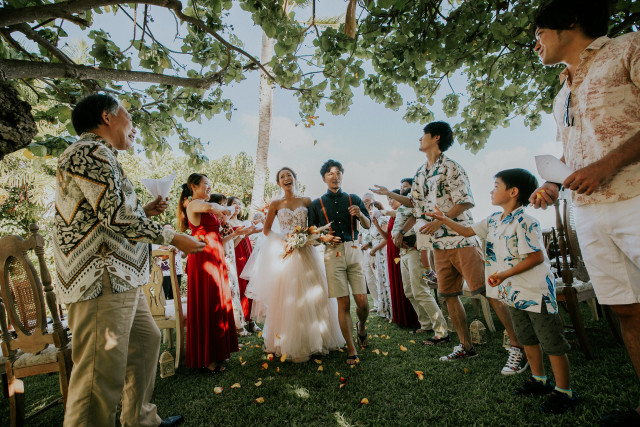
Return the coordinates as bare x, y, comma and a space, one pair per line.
342, 255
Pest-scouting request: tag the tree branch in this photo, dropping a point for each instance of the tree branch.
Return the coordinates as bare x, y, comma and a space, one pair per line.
16, 69
64, 9
33, 35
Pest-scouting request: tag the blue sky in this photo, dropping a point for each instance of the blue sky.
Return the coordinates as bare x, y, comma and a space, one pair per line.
375, 145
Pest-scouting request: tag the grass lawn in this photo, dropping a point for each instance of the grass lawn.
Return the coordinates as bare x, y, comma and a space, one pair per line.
468, 392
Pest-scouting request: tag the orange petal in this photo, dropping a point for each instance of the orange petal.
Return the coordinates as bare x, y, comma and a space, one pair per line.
338, 373
270, 357
277, 368
341, 350
258, 384
318, 361
342, 385
265, 365
283, 357
364, 401
403, 348
466, 370
260, 334
259, 400
320, 368
376, 351
236, 385
385, 353
217, 390
396, 260
243, 363
412, 341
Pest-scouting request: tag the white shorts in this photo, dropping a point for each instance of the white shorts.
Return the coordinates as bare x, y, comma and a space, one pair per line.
609, 235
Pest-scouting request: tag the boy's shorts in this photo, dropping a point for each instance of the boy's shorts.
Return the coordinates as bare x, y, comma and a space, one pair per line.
540, 328
452, 265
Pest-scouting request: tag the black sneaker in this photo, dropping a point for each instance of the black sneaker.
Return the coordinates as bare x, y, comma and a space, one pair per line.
533, 388
621, 418
558, 403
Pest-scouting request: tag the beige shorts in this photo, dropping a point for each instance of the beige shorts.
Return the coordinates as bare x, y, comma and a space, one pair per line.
452, 265
608, 235
342, 264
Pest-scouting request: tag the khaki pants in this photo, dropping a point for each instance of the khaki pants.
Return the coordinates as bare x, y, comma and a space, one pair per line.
372, 284
115, 355
419, 294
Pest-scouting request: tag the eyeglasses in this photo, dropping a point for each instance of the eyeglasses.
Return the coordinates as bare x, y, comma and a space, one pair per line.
569, 120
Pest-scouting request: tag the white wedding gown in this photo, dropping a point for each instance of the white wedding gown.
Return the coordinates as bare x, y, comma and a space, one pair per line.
290, 295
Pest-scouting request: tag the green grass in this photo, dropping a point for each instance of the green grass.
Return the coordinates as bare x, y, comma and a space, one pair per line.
470, 392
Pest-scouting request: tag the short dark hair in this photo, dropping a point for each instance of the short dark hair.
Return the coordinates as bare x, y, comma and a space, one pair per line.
87, 114
326, 167
521, 179
409, 180
406, 192
443, 130
217, 198
397, 191
591, 15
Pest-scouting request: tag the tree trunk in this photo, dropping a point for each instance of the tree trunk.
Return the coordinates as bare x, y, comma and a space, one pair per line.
17, 127
264, 128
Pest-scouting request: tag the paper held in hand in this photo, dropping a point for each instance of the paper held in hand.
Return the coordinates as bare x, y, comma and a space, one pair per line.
551, 169
159, 187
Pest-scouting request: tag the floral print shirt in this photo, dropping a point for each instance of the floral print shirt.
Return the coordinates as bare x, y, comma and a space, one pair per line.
445, 184
508, 242
605, 103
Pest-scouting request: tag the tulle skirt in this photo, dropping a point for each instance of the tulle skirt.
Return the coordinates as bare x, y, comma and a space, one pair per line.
290, 296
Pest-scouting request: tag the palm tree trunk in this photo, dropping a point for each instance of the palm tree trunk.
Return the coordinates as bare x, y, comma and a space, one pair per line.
264, 128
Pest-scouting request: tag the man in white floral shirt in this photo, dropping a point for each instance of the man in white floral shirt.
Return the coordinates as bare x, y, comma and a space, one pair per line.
443, 183
598, 117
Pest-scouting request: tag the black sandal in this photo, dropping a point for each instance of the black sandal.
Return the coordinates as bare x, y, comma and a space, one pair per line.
363, 341
436, 340
217, 370
355, 359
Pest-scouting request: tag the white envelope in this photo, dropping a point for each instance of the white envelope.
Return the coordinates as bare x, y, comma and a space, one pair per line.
552, 169
160, 186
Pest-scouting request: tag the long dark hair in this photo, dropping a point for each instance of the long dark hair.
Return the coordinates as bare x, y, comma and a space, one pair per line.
194, 179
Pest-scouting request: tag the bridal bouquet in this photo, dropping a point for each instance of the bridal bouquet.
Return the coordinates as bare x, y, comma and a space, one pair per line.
303, 236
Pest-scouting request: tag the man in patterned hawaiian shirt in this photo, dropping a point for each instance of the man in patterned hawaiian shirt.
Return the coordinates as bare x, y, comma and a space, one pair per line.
100, 244
443, 183
598, 117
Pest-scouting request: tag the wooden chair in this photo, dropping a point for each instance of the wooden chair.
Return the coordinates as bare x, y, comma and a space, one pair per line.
568, 292
29, 347
168, 314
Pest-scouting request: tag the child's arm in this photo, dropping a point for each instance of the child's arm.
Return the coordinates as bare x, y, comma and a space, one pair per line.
532, 259
460, 229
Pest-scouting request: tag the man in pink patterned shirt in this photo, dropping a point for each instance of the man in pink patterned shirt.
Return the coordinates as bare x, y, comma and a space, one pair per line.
597, 112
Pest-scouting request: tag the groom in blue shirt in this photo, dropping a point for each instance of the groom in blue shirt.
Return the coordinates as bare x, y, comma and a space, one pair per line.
342, 256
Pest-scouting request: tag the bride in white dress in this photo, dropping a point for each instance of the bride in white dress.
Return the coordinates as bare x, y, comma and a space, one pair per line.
290, 294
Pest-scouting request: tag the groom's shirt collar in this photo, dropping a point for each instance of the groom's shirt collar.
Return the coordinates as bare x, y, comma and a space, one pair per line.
335, 195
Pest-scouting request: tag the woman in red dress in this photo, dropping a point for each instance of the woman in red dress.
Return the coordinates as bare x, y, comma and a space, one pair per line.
401, 308
243, 252
211, 330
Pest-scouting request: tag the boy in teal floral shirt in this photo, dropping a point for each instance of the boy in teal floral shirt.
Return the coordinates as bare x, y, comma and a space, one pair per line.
518, 273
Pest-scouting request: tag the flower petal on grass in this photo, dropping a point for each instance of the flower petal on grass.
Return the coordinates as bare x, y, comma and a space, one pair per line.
243, 363
385, 353
343, 380
320, 368
403, 348
420, 374
376, 351
318, 361
364, 401
259, 400
412, 341
218, 390
342, 385
236, 385
283, 357
277, 368
265, 365
270, 357
260, 334
258, 384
